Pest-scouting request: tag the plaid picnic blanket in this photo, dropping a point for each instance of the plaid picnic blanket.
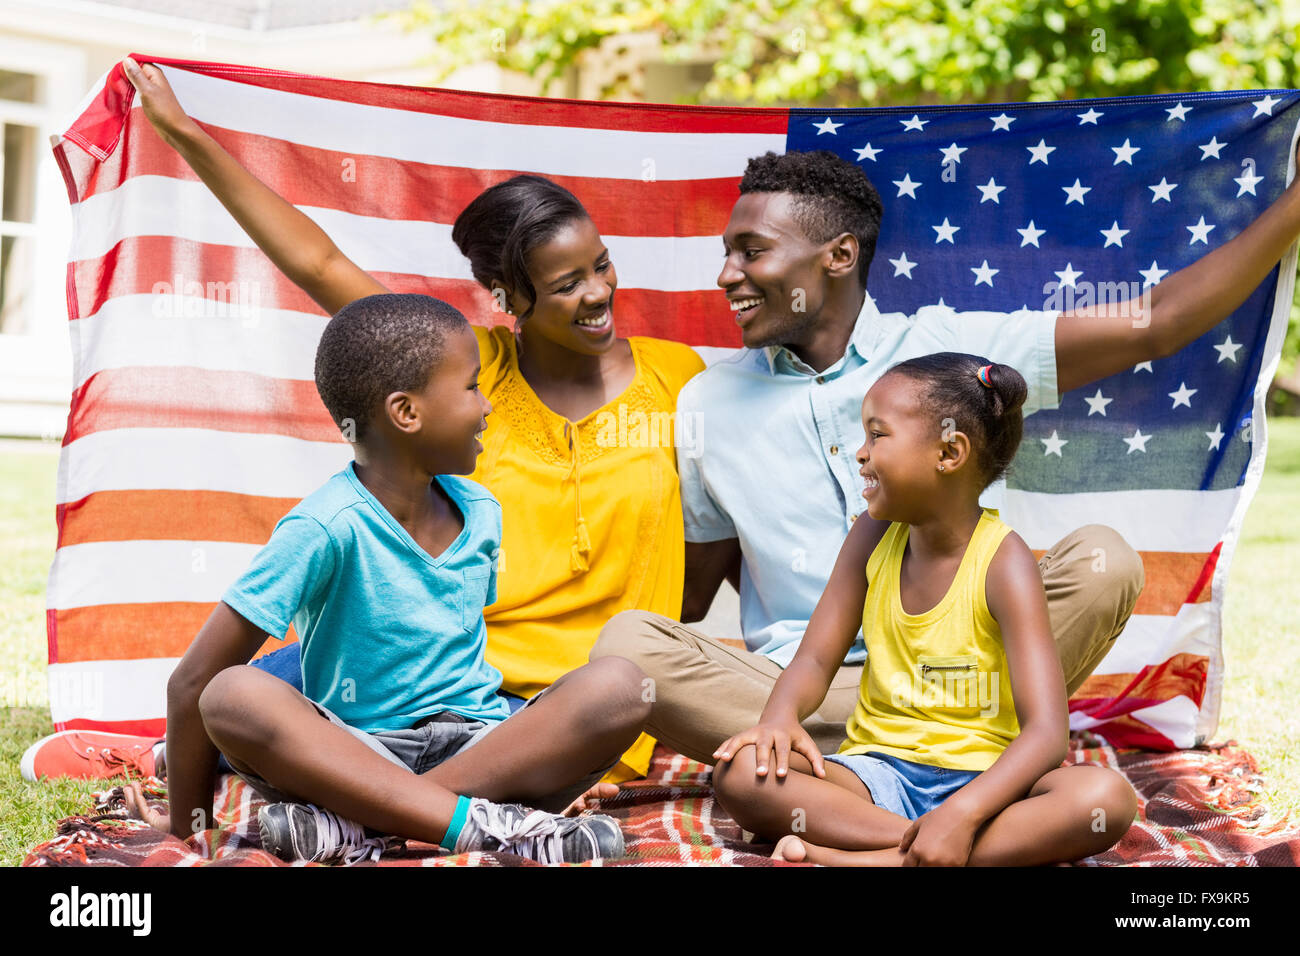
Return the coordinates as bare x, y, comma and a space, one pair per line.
1196, 808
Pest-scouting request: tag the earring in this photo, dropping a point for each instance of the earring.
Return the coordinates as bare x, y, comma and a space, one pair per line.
941, 467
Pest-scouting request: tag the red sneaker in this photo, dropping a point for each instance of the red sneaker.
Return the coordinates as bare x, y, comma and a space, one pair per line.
89, 755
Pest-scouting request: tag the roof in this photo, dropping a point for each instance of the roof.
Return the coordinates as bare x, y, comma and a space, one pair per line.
260, 16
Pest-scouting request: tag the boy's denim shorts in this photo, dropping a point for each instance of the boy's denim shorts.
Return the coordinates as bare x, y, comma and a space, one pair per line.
902, 786
431, 741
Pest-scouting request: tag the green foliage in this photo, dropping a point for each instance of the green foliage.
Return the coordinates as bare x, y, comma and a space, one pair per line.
888, 52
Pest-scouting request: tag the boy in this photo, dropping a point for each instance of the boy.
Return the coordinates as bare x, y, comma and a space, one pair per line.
384, 572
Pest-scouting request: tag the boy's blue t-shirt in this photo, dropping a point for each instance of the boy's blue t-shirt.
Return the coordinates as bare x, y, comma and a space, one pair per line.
389, 633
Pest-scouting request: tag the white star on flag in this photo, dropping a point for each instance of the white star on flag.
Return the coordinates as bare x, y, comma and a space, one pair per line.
1178, 112
906, 187
1153, 275
1247, 181
1162, 190
1114, 235
1215, 437
952, 154
1228, 350
1184, 395
985, 274
945, 232
1211, 148
915, 123
1264, 107
1075, 193
827, 126
1143, 367
1097, 404
1039, 153
1137, 441
1089, 117
902, 267
989, 191
1002, 121
1200, 232
1053, 444
1068, 275
1029, 235
1124, 154
868, 152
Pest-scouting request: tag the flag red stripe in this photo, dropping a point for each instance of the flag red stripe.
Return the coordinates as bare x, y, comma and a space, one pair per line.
135, 631
165, 515
99, 127
499, 107
136, 266
395, 189
156, 727
1106, 695
171, 397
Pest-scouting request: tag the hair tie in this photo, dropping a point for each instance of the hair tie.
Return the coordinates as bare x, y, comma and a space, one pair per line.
983, 375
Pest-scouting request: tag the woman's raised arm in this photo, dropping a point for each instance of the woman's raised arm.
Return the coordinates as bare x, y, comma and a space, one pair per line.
297, 246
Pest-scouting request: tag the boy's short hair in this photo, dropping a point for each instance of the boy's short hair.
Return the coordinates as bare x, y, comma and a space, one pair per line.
378, 345
832, 196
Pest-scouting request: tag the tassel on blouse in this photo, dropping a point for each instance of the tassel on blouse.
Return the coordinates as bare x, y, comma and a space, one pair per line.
581, 549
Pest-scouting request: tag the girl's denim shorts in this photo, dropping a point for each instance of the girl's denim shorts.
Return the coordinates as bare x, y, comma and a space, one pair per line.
901, 786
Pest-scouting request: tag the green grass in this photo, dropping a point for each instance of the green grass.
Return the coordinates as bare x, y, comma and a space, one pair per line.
1261, 638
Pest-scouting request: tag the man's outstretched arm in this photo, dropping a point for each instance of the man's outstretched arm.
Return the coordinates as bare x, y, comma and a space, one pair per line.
1095, 342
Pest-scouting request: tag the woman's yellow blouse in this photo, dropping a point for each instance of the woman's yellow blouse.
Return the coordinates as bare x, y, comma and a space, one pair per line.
592, 517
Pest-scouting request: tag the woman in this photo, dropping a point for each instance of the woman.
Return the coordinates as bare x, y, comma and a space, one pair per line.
593, 527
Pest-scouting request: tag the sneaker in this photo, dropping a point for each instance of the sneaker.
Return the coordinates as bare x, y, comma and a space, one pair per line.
538, 835
89, 755
301, 832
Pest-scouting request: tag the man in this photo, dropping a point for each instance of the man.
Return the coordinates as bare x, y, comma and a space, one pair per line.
771, 499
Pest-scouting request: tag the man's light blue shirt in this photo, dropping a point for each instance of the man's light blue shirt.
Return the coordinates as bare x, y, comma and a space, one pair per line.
776, 467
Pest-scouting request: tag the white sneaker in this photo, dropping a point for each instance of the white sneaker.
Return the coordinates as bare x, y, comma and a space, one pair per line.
303, 832
538, 835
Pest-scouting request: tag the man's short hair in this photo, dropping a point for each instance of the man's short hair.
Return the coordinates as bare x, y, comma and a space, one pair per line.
378, 345
832, 196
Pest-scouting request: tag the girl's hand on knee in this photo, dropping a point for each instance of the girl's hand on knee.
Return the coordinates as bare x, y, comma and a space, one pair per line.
772, 746
937, 839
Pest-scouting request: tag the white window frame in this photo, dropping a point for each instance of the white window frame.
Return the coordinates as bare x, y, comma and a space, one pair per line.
36, 365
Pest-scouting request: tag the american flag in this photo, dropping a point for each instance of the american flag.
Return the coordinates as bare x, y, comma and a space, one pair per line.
195, 422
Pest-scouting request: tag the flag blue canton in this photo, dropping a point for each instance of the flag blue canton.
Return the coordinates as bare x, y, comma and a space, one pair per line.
1059, 205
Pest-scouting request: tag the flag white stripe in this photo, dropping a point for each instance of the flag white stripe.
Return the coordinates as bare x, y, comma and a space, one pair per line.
125, 459
451, 141
167, 331
110, 690
161, 206
1174, 718
1152, 638
1148, 519
288, 467
147, 331
145, 572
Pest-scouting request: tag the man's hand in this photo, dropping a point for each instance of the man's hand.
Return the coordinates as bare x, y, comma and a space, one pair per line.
938, 838
159, 103
772, 746
139, 807
601, 791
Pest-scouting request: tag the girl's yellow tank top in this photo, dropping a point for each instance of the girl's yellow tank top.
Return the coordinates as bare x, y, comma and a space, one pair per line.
936, 688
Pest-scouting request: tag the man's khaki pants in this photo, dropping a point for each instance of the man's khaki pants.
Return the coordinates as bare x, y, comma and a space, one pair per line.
706, 691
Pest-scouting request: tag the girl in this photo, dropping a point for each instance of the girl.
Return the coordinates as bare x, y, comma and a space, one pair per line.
953, 752
592, 527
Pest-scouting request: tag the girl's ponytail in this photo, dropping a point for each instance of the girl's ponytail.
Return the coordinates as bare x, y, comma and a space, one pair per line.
983, 398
